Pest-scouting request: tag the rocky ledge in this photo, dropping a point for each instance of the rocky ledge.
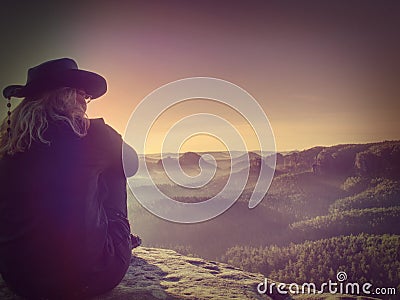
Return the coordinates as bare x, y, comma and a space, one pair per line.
165, 274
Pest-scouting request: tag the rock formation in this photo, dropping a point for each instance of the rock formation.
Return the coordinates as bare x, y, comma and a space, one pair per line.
165, 274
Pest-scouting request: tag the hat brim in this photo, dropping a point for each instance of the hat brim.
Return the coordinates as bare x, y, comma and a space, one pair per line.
93, 84
13, 91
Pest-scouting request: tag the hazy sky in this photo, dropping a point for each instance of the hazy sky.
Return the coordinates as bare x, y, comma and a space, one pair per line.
323, 72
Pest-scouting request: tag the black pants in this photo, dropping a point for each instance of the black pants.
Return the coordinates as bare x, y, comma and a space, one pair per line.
117, 257
111, 267
118, 249
103, 277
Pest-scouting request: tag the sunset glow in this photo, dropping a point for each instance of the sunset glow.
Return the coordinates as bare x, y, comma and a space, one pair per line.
321, 79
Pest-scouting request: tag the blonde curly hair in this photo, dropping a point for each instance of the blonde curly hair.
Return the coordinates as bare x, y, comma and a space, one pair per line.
29, 120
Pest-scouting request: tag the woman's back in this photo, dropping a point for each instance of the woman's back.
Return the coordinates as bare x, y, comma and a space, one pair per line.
52, 220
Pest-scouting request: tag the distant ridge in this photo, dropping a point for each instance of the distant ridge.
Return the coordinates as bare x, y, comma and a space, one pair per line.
372, 158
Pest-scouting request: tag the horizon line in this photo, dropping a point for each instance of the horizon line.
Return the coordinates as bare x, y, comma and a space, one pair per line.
276, 151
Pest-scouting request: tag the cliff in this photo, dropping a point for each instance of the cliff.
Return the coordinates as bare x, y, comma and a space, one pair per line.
165, 274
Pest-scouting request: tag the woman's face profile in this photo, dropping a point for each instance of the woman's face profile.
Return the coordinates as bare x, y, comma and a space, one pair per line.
82, 98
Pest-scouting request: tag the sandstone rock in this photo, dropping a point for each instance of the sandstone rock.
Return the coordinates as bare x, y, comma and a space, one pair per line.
165, 274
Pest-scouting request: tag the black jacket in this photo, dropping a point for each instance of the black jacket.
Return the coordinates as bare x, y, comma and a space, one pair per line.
53, 224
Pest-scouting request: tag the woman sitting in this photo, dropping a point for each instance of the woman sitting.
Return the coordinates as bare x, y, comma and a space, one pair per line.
64, 231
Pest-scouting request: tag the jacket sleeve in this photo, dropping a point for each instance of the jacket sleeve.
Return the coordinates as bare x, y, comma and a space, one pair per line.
131, 163
126, 157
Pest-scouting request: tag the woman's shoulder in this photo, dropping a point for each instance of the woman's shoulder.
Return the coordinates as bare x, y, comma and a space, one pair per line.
99, 125
97, 121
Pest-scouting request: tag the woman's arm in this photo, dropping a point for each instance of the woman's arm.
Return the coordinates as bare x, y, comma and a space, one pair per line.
130, 160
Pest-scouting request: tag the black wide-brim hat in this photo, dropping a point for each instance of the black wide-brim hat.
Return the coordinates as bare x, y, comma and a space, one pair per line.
55, 74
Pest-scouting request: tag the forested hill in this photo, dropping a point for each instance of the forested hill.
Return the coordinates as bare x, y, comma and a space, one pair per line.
374, 159
344, 203
343, 194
